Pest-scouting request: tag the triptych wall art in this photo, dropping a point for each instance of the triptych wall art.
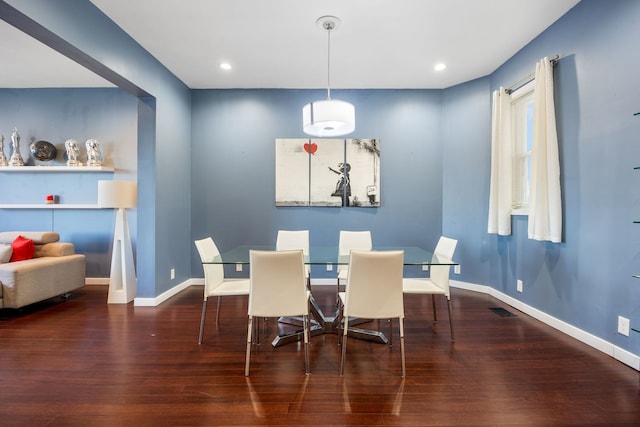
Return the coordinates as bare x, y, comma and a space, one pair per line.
328, 172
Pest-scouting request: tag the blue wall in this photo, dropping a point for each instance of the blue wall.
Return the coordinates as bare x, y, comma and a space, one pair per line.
434, 165
466, 170
233, 167
585, 281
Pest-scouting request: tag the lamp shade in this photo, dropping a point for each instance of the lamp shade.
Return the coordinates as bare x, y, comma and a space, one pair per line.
329, 117
117, 194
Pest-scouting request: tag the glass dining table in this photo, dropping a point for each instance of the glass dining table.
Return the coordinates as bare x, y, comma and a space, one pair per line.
323, 323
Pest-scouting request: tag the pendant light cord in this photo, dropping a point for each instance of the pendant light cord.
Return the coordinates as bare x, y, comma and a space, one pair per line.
329, 26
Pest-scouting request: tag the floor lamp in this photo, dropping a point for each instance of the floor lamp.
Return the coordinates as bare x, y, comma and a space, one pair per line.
122, 282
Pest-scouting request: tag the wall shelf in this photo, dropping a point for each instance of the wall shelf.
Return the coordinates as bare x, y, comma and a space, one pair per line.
46, 206
52, 169
75, 169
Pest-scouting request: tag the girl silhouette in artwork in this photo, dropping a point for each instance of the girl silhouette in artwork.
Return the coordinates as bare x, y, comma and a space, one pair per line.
343, 186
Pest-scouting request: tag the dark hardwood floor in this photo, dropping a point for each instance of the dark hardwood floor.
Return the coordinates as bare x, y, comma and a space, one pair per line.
85, 363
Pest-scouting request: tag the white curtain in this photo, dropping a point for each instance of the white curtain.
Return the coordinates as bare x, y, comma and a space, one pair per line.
501, 192
545, 206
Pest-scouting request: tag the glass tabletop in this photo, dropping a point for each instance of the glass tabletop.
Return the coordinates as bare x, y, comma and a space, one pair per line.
320, 255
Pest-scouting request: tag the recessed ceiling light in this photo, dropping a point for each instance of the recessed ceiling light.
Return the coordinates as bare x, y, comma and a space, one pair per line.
225, 66
440, 66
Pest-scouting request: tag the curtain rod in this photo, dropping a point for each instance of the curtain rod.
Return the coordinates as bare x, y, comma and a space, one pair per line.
529, 77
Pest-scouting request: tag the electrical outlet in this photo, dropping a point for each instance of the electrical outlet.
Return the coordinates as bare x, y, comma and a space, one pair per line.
519, 285
329, 267
623, 325
238, 267
456, 269
425, 267
173, 273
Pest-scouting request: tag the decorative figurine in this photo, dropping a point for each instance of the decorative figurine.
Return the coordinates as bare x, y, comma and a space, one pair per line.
43, 151
94, 153
3, 159
16, 158
72, 152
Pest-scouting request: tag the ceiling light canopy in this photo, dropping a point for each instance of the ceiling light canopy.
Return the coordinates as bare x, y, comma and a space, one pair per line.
329, 117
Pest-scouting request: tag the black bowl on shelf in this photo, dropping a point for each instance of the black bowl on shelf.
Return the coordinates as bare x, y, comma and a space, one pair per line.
43, 151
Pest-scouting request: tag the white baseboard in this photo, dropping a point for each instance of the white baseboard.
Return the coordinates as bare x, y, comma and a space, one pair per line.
620, 354
152, 302
148, 302
324, 282
96, 281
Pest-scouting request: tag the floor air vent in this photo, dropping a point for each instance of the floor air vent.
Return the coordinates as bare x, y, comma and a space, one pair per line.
502, 312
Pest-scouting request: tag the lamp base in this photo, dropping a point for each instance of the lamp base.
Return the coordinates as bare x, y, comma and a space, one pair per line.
122, 282
119, 296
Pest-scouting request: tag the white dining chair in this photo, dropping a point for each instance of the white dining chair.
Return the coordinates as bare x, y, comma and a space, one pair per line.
438, 282
277, 289
215, 284
351, 240
374, 291
287, 240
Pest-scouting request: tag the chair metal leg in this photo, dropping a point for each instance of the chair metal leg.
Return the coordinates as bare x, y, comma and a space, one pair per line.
256, 340
256, 329
339, 315
401, 321
390, 332
433, 303
307, 332
344, 348
218, 312
204, 313
248, 354
453, 338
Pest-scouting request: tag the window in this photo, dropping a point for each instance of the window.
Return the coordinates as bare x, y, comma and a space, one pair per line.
522, 107
518, 185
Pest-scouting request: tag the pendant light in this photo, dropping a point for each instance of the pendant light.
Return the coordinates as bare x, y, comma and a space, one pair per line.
328, 117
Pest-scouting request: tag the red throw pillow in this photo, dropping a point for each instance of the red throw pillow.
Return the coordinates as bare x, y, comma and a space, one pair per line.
22, 249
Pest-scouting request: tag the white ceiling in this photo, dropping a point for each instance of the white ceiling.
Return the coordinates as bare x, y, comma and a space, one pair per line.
27, 63
277, 44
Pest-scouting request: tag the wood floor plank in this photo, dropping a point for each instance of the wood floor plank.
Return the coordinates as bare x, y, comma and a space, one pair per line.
83, 362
